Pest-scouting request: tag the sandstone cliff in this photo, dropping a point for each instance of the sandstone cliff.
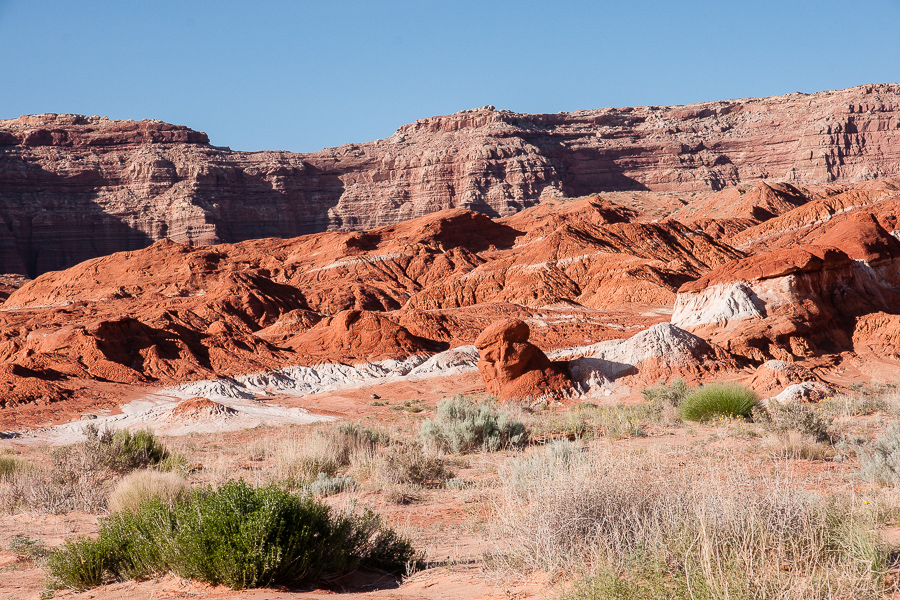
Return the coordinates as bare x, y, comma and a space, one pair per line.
74, 188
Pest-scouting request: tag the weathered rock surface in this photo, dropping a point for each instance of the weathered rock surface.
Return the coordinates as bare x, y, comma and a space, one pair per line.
773, 376
660, 352
514, 369
74, 188
805, 391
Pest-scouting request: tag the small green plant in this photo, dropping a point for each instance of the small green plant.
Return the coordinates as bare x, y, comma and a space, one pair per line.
237, 535
718, 399
462, 425
672, 394
27, 547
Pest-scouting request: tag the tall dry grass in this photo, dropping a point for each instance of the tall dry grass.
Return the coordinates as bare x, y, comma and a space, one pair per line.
302, 457
710, 528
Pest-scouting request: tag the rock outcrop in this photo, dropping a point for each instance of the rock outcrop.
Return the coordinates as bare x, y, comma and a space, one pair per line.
74, 188
658, 353
512, 368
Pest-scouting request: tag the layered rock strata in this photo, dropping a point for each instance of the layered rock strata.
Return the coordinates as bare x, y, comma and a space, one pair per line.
74, 187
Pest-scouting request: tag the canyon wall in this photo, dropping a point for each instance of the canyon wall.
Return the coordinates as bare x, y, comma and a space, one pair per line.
74, 187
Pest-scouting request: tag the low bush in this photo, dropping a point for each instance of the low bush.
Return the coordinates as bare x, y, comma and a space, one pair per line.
803, 418
122, 451
718, 399
793, 445
140, 486
328, 486
672, 394
879, 461
411, 464
520, 474
462, 425
238, 535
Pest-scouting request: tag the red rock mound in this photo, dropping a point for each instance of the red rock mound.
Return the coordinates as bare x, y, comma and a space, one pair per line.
773, 376
512, 368
20, 385
360, 335
195, 408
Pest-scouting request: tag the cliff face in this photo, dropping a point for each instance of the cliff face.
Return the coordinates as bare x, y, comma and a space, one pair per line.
73, 187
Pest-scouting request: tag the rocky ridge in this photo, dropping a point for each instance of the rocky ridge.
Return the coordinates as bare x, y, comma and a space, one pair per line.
74, 188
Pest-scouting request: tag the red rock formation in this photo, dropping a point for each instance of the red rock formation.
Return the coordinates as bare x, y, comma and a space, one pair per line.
74, 187
818, 283
361, 336
514, 369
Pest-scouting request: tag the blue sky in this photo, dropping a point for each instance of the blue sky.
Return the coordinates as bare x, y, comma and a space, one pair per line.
301, 76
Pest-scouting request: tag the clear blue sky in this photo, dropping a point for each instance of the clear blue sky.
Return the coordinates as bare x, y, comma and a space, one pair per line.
301, 76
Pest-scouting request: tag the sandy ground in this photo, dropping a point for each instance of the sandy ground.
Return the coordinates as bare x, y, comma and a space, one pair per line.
452, 526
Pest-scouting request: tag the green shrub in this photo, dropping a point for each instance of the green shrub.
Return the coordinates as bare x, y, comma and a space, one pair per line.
238, 535
462, 425
673, 394
122, 451
81, 563
879, 462
718, 399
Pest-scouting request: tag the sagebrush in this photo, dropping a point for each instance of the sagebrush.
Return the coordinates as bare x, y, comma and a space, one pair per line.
463, 425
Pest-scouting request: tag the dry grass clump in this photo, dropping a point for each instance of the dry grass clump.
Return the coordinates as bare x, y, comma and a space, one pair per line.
10, 466
865, 399
807, 419
793, 445
586, 420
708, 530
301, 459
140, 486
411, 464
